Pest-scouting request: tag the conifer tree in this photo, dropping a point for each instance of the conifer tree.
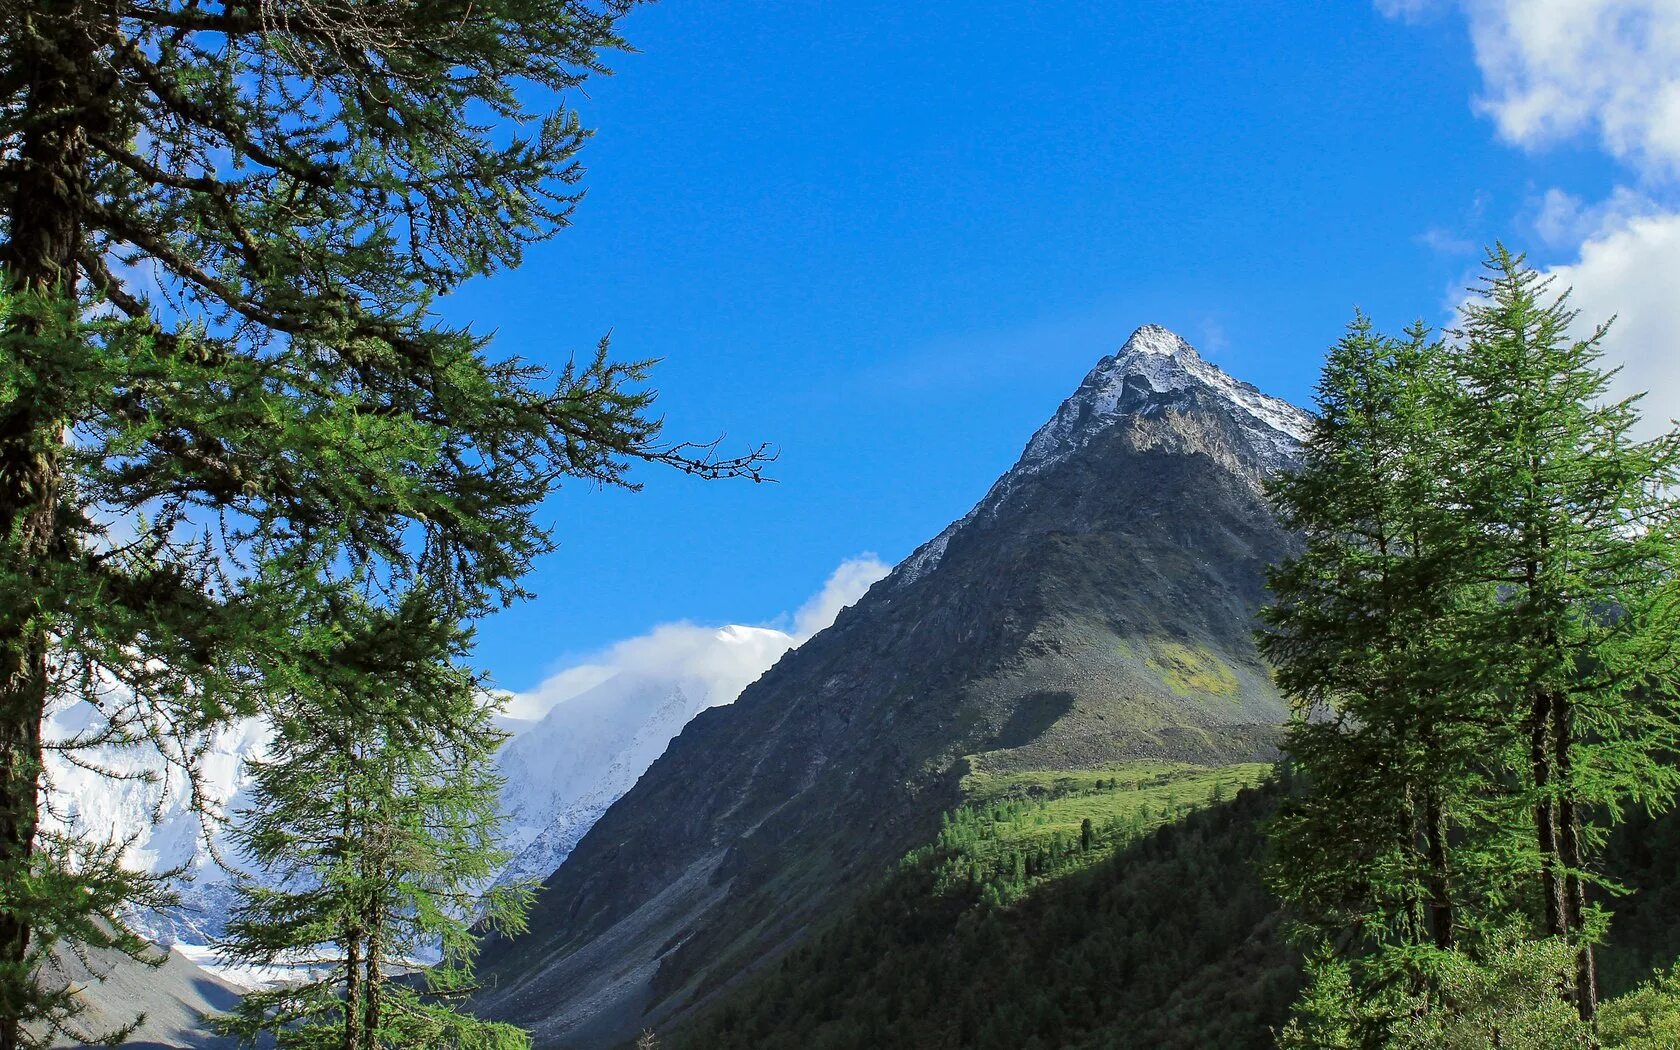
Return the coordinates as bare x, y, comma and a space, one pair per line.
1361, 634
372, 825
1482, 638
222, 230
1574, 542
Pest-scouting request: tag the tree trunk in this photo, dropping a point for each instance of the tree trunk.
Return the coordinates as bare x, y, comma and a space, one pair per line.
375, 978
1571, 859
1412, 904
353, 991
44, 221
1545, 825
373, 920
22, 709
1440, 889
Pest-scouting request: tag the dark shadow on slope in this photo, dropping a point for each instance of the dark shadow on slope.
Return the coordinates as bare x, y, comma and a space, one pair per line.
1034, 716
1173, 942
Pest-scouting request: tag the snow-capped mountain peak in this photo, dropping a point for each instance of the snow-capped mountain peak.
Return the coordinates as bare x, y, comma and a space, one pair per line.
736, 634
1154, 370
1152, 366
1156, 340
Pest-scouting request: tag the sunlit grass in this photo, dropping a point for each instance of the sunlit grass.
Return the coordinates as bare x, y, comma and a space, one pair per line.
1020, 829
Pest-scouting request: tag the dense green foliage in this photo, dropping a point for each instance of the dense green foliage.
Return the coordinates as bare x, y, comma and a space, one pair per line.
1169, 940
1481, 637
1023, 829
1172, 940
222, 389
1504, 994
1361, 635
1646, 1017
372, 825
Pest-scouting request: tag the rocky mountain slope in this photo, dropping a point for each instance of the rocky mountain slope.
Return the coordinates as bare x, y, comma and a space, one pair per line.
173, 998
564, 770
1096, 606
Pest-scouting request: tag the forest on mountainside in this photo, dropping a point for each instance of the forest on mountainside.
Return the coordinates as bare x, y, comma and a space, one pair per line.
1170, 939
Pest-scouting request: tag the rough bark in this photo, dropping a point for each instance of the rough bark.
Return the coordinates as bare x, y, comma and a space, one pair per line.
1572, 861
1545, 824
375, 978
43, 221
353, 990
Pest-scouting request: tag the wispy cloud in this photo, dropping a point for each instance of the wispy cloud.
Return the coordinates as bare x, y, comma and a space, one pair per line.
1607, 71
1564, 220
1446, 242
1409, 10
727, 661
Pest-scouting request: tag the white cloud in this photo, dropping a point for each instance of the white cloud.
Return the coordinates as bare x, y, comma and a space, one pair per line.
557, 687
1564, 220
1621, 268
1555, 69
844, 587
1628, 267
726, 659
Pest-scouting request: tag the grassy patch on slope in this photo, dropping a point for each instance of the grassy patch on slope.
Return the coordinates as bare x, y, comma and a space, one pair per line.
1021, 829
1187, 670
1191, 671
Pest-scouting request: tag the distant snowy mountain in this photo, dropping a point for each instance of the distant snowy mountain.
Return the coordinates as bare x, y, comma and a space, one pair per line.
584, 737
147, 804
578, 742
562, 769
565, 769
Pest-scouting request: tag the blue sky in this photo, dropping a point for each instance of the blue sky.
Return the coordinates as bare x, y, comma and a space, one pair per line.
890, 238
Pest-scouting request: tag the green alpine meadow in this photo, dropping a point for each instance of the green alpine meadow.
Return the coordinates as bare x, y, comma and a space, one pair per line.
591, 524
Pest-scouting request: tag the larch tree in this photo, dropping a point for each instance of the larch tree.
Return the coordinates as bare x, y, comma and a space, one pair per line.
372, 828
1361, 636
1482, 635
223, 226
1574, 541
